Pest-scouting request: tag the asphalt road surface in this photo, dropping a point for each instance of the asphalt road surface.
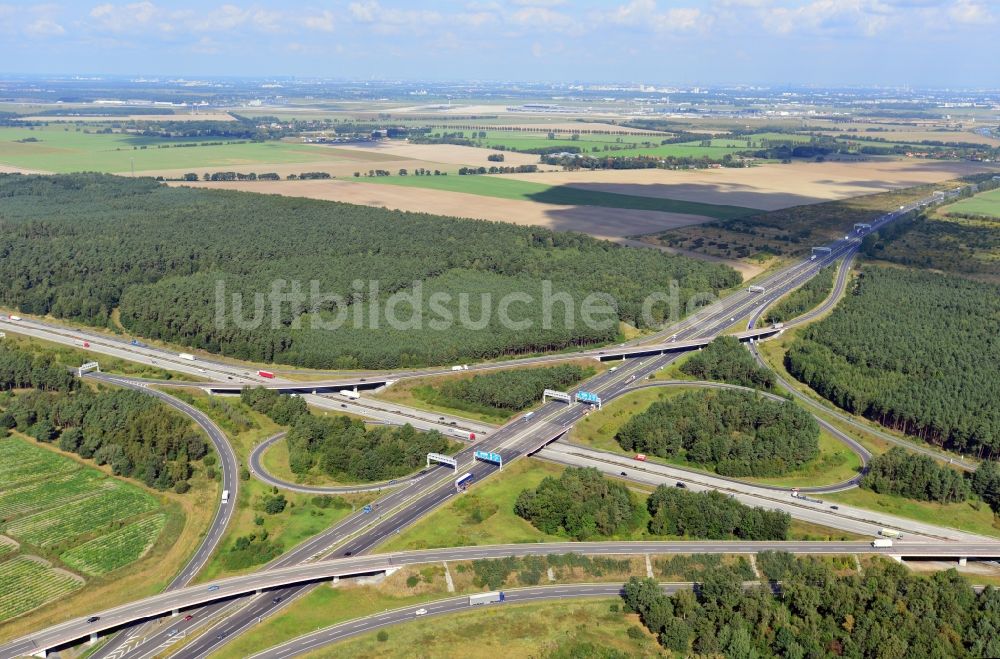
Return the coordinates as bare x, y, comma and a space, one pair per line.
194, 595
452, 605
358, 532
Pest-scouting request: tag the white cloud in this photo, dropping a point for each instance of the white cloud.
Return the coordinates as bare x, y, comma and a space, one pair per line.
541, 17
363, 12
646, 13
222, 19
119, 18
44, 27
830, 17
322, 22
969, 12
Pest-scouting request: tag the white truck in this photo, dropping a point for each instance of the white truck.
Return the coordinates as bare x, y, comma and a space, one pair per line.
349, 393
462, 367
225, 496
14, 318
881, 543
890, 533
486, 598
186, 355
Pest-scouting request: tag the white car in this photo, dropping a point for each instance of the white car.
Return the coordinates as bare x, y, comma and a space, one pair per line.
421, 612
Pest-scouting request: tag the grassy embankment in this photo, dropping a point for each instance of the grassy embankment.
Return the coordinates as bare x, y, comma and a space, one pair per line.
302, 517
835, 463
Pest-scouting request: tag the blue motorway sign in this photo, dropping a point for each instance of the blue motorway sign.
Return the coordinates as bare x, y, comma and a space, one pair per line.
587, 397
489, 457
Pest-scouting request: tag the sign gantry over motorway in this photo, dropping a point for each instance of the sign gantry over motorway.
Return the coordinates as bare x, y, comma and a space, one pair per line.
443, 459
87, 368
556, 395
488, 456
589, 398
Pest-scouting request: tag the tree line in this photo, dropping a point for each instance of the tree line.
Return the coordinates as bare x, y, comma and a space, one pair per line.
580, 503
914, 351
898, 471
20, 369
82, 246
511, 390
132, 432
342, 447
920, 477
735, 433
726, 360
803, 299
887, 611
712, 515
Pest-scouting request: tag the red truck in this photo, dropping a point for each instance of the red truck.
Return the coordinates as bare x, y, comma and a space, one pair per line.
265, 374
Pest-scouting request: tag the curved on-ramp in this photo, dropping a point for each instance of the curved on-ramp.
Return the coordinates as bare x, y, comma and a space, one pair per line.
258, 470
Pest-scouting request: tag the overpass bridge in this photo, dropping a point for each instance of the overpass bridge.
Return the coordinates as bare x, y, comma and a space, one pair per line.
377, 380
172, 602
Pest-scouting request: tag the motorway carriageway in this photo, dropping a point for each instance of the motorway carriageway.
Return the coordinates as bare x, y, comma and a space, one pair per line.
202, 368
549, 422
359, 533
225, 588
415, 504
451, 605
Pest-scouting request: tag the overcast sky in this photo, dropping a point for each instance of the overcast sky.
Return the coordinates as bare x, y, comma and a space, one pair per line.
826, 42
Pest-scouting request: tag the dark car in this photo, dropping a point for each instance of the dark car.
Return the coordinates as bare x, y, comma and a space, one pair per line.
93, 618
681, 485
275, 600
834, 507
624, 474
347, 553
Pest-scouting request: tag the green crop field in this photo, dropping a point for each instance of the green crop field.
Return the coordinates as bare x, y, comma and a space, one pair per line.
21, 462
63, 149
628, 145
27, 583
73, 519
116, 549
71, 515
985, 203
7, 546
51, 492
508, 188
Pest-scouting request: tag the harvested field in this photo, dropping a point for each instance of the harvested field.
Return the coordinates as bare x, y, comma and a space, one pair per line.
187, 116
767, 187
910, 135
441, 153
337, 168
8, 169
600, 222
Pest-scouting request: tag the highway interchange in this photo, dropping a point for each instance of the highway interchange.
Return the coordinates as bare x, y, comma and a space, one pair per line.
415, 497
